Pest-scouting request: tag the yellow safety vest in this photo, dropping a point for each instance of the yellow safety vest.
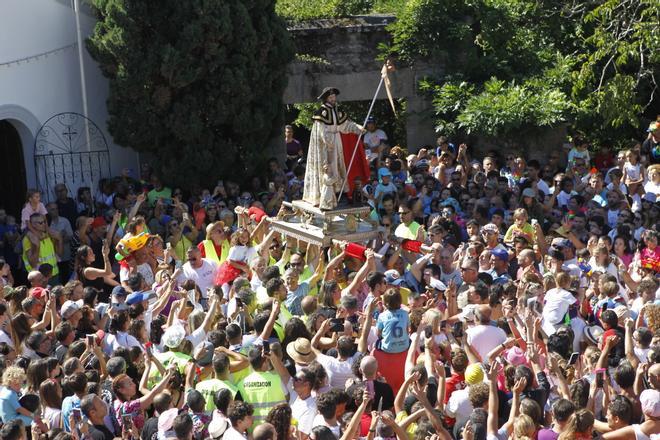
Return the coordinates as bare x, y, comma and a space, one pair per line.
210, 253
46, 254
263, 390
209, 387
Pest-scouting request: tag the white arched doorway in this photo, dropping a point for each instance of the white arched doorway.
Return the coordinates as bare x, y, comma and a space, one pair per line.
17, 129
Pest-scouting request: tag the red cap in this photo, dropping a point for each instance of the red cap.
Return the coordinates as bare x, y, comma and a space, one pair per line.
98, 222
257, 213
38, 292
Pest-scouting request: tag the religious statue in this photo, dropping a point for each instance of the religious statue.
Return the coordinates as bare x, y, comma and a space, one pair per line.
325, 149
328, 196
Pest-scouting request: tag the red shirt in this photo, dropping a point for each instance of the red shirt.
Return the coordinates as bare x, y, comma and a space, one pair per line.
365, 424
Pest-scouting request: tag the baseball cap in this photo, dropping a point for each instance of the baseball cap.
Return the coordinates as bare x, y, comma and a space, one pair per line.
474, 374
119, 291
500, 254
98, 222
653, 126
437, 284
528, 192
138, 297
491, 228
382, 172
204, 354
70, 307
562, 243
393, 278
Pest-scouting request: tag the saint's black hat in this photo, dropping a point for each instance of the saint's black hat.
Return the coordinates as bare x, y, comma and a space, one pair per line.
327, 92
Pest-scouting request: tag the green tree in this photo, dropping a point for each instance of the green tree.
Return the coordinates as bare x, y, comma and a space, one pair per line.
523, 65
196, 83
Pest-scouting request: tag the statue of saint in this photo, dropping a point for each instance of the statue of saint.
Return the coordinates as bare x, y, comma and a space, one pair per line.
325, 158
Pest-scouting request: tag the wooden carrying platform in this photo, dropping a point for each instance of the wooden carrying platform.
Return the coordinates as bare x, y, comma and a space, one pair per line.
313, 225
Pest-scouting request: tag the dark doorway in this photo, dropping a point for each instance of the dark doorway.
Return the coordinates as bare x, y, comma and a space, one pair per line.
12, 170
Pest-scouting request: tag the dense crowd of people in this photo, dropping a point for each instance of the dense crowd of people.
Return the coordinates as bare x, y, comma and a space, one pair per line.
505, 298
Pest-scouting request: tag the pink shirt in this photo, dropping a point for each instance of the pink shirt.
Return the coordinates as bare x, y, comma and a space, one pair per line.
28, 211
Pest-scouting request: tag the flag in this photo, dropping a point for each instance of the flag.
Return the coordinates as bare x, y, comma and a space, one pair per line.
388, 67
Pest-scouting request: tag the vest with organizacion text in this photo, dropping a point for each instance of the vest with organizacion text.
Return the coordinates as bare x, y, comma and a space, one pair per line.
263, 390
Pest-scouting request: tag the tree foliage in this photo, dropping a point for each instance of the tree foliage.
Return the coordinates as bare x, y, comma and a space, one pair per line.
521, 65
197, 83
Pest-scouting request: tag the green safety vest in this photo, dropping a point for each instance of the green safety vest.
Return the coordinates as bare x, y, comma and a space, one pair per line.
263, 390
180, 359
46, 254
209, 387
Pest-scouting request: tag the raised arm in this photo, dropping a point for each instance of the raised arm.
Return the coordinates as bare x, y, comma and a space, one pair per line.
328, 275
237, 361
361, 275
268, 329
279, 367
136, 207
629, 344
401, 394
147, 399
354, 424
493, 400
366, 327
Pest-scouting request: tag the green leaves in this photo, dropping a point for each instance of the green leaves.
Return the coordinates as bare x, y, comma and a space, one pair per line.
498, 109
199, 84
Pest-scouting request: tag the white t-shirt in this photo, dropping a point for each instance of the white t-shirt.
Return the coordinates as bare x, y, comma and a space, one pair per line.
651, 187
242, 254
459, 406
320, 421
338, 371
144, 269
304, 412
373, 140
4, 337
557, 302
233, 434
202, 276
121, 339
483, 338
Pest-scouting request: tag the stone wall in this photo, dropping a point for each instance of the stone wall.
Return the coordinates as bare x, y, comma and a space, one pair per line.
343, 53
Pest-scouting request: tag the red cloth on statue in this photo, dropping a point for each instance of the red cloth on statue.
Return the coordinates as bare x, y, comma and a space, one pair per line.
360, 165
